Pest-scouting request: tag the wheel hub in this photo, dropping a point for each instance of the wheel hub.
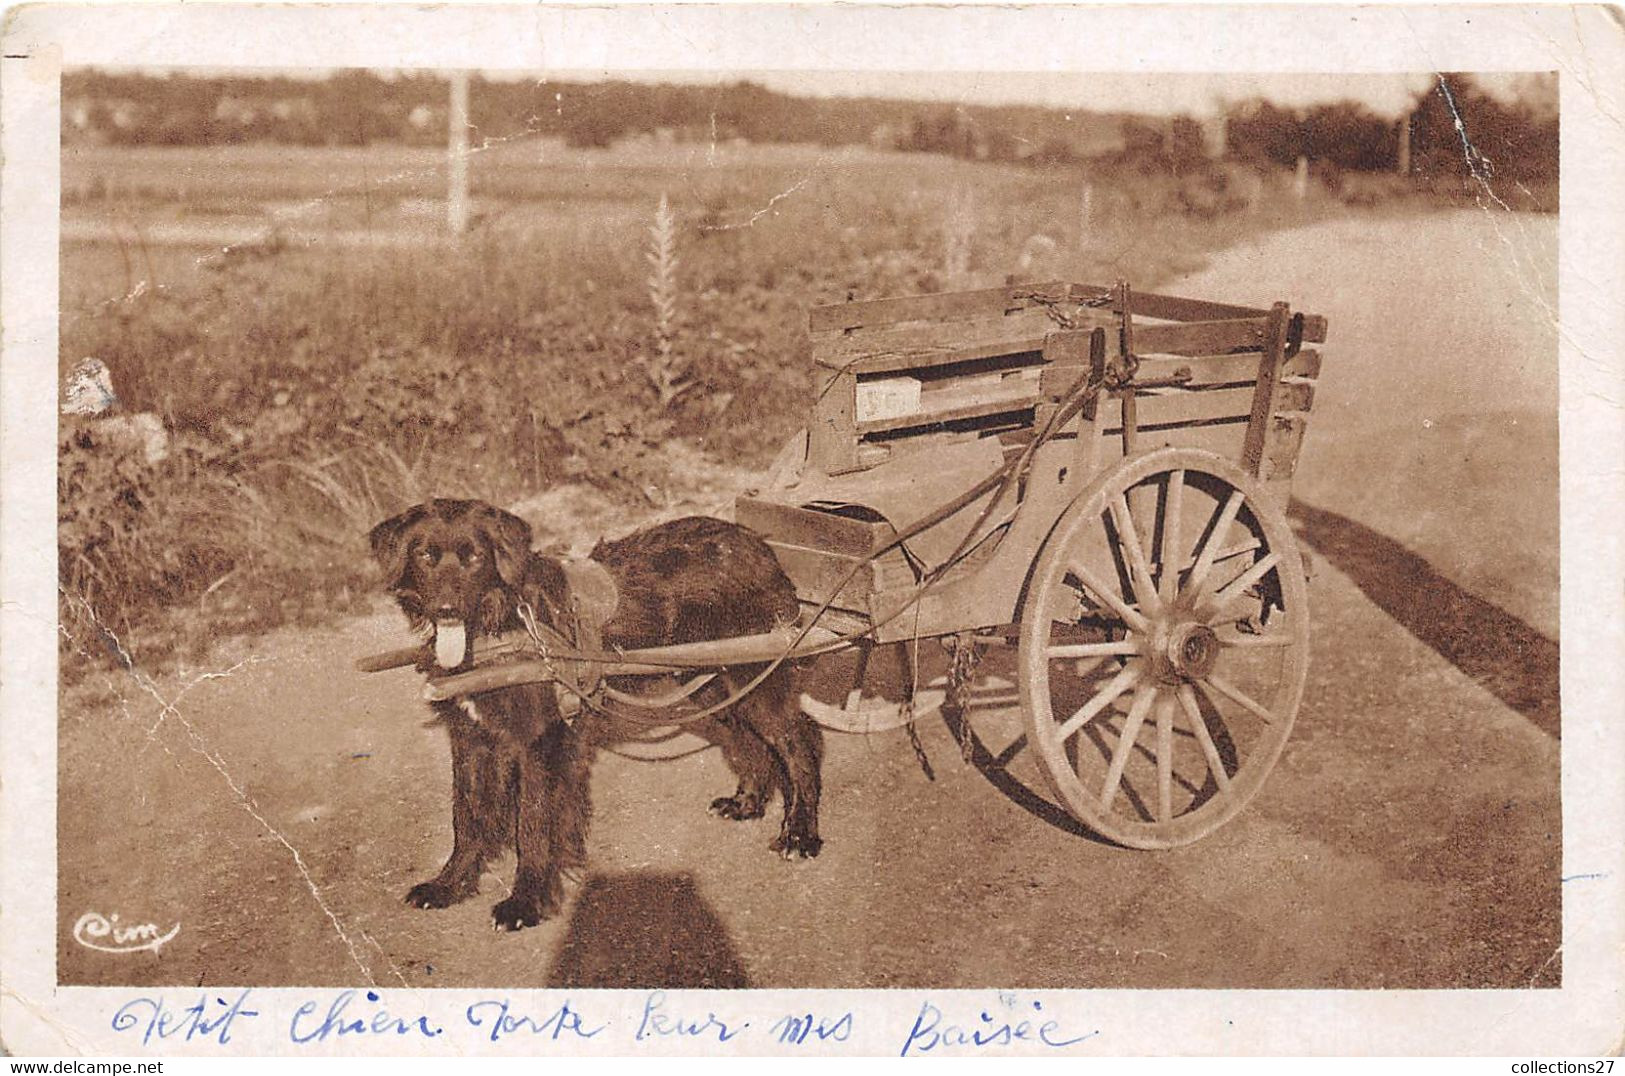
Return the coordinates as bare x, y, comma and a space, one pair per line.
1189, 652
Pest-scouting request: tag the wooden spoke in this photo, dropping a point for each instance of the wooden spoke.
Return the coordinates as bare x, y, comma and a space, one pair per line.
1085, 666
1275, 640
1139, 571
1108, 595
1193, 714
1126, 678
1165, 758
1239, 697
1124, 716
1171, 558
1238, 586
1125, 744
1215, 540
1120, 648
1237, 550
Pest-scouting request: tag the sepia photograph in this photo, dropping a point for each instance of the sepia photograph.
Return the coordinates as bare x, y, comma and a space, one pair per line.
735, 527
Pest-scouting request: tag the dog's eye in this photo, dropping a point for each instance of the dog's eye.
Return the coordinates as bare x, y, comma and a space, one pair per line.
427, 555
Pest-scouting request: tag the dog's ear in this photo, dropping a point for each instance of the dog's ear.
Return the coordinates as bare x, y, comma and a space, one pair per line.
388, 541
510, 540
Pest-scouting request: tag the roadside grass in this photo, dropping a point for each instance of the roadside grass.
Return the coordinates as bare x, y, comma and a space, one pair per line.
311, 390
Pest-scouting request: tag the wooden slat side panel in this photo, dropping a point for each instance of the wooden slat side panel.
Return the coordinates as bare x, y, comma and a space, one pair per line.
1176, 406
1282, 445
1057, 379
817, 573
896, 361
1224, 369
1264, 392
1305, 363
1294, 395
1012, 382
958, 304
1200, 337
996, 406
1173, 307
840, 316
935, 342
809, 527
1179, 406
832, 436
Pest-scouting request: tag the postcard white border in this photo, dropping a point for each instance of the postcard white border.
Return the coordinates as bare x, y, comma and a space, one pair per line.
1586, 1016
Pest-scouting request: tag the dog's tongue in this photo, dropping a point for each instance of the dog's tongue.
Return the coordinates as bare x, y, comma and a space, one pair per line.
450, 643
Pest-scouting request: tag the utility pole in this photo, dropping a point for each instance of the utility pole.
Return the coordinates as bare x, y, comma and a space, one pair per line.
457, 156
1403, 164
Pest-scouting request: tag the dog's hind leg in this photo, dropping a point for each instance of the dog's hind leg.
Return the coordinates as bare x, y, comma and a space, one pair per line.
553, 810
797, 747
481, 782
751, 761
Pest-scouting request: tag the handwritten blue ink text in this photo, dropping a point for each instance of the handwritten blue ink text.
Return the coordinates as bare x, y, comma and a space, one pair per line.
930, 1033
339, 1021
202, 1020
658, 1023
503, 1021
796, 1030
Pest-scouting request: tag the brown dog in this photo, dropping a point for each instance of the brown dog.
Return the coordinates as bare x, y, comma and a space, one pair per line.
462, 569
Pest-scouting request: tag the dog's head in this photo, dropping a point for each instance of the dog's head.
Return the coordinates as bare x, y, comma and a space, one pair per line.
449, 565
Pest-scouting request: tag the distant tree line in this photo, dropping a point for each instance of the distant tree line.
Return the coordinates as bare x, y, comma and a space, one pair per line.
1455, 127
357, 107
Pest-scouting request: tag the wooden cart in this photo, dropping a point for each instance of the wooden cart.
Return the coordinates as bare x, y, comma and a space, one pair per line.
1094, 476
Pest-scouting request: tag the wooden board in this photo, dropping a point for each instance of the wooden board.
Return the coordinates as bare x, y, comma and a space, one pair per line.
809, 527
818, 573
1172, 307
956, 345
1267, 390
936, 343
993, 301
832, 438
1224, 369
1200, 337
1024, 343
964, 398
1282, 444
1176, 406
935, 307
1002, 405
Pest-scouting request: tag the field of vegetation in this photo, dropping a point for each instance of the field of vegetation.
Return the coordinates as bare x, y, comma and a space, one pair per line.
348, 361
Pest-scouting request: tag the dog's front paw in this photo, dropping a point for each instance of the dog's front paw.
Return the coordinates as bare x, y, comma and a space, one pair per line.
795, 845
527, 907
739, 807
437, 893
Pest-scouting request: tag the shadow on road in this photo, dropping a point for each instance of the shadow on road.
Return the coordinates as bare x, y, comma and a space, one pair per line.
1505, 656
643, 930
996, 769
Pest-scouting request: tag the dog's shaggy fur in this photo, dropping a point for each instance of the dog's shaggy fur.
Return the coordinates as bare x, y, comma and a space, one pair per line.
519, 770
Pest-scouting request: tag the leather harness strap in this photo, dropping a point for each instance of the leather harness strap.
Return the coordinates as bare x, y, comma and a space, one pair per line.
592, 599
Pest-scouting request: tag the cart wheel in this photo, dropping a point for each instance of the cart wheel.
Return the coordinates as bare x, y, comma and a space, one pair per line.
1164, 647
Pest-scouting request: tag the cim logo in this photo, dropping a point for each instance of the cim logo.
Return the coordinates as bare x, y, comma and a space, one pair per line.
105, 935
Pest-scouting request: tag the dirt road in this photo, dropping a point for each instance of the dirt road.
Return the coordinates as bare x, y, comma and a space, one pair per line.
278, 805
